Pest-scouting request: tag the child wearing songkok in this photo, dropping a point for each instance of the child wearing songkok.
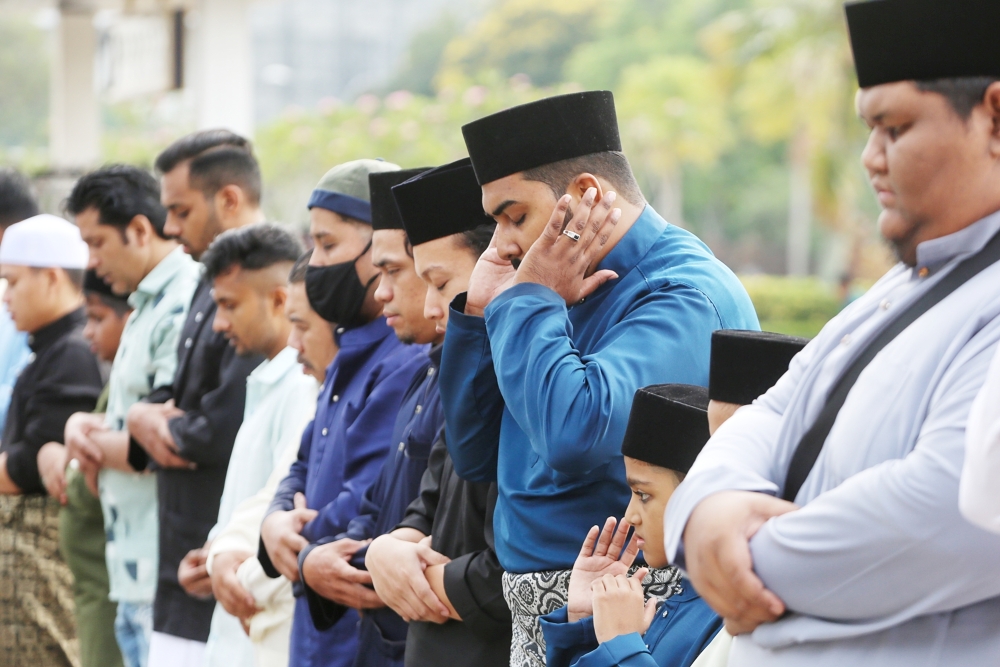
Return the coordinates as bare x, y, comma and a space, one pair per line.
606, 621
744, 365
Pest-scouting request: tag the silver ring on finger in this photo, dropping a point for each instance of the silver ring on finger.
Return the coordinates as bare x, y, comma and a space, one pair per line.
571, 234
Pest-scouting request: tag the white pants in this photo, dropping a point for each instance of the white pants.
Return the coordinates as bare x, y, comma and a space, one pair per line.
169, 651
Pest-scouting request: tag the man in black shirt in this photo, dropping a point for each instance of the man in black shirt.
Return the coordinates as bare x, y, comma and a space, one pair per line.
210, 183
452, 519
43, 260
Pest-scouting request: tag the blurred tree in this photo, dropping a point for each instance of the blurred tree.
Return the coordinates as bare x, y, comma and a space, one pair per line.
424, 56
673, 112
794, 85
530, 37
411, 130
24, 84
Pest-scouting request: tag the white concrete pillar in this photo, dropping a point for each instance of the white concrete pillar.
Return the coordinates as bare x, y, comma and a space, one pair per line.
224, 68
74, 116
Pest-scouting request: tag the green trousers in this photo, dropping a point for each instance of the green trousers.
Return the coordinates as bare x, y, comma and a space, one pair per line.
81, 541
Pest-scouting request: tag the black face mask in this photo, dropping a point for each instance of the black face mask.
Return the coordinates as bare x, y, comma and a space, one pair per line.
336, 293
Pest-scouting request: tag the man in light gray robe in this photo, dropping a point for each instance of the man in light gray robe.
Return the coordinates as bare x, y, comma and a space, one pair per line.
874, 564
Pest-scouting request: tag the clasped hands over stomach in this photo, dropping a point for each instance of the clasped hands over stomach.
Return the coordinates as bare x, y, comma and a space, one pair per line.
718, 559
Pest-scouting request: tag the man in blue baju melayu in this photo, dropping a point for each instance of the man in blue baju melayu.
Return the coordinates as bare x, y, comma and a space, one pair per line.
823, 521
342, 450
607, 621
332, 570
585, 295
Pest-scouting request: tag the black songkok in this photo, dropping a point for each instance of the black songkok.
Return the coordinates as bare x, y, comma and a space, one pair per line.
443, 201
384, 212
745, 364
668, 425
923, 40
542, 132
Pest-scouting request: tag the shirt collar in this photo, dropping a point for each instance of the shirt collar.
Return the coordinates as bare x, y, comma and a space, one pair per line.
161, 275
365, 335
933, 254
435, 354
271, 371
637, 241
50, 333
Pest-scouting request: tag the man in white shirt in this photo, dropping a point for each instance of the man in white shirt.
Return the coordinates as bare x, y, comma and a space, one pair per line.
249, 270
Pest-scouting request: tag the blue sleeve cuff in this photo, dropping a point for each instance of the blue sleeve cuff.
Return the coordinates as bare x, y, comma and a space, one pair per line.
523, 289
458, 320
616, 651
565, 642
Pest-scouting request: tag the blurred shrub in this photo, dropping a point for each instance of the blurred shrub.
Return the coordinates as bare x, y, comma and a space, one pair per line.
794, 306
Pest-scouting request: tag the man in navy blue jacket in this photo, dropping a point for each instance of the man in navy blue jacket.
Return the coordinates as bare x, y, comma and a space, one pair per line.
343, 448
331, 569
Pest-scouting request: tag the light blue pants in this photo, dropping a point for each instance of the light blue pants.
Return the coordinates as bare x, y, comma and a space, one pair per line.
133, 628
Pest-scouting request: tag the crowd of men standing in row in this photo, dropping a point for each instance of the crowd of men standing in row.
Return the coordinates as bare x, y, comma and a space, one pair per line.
502, 412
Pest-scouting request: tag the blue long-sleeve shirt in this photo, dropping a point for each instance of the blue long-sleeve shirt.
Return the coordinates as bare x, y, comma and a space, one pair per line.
14, 355
537, 395
382, 632
341, 453
683, 626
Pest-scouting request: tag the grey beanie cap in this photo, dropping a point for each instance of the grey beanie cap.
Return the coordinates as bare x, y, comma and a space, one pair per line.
351, 178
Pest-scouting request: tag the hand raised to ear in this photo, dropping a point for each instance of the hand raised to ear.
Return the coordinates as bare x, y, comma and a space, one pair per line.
564, 256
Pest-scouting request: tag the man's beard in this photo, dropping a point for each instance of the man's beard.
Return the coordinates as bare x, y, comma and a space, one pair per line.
212, 229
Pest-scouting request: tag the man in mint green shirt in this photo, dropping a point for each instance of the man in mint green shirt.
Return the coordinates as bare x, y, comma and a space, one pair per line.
120, 217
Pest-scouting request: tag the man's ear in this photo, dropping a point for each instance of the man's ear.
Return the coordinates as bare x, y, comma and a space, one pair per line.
991, 100
279, 297
229, 199
579, 186
139, 229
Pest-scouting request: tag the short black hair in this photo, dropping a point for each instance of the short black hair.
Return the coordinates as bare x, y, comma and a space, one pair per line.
16, 201
298, 272
120, 307
193, 145
478, 240
216, 168
217, 158
612, 166
963, 93
119, 192
250, 248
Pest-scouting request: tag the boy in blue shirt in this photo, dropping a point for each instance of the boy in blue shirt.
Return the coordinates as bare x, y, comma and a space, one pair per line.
607, 622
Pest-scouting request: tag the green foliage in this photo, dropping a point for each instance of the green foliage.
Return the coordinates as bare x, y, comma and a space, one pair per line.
24, 78
408, 129
675, 113
424, 57
795, 306
523, 37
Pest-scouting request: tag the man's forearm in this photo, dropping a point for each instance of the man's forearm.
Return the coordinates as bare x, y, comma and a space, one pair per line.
470, 397
883, 531
115, 446
408, 535
435, 577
